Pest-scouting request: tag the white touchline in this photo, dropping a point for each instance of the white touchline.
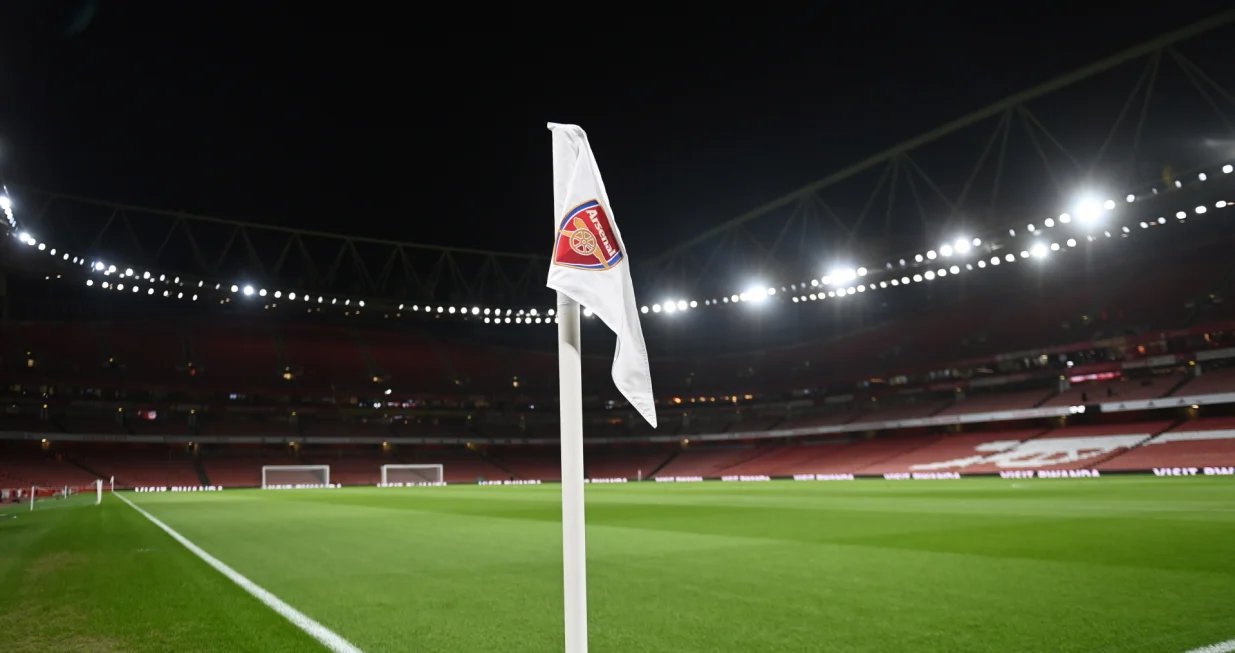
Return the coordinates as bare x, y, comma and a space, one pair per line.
1220, 647
327, 637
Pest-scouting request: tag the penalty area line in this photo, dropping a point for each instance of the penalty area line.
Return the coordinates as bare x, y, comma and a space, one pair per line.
1221, 647
327, 637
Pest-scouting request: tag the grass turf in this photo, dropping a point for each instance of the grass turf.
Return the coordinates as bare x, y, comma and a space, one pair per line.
1114, 564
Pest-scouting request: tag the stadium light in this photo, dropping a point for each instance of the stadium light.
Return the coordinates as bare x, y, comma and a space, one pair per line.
1038, 250
248, 291
1087, 209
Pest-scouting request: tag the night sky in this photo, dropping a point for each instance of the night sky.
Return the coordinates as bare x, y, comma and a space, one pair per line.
396, 125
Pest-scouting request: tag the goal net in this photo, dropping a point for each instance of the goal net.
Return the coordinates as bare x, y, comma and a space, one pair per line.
287, 477
41, 498
412, 475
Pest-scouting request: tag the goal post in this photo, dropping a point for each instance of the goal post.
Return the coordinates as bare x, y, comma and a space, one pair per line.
286, 477
65, 496
412, 475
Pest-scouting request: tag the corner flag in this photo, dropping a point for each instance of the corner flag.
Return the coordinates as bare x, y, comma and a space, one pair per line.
589, 267
589, 262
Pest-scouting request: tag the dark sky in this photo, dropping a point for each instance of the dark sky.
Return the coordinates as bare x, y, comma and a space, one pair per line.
397, 123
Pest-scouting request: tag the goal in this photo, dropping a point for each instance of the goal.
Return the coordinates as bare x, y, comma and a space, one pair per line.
405, 475
286, 477
66, 496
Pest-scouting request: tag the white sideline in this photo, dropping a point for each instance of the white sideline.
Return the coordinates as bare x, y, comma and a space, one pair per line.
327, 637
1220, 647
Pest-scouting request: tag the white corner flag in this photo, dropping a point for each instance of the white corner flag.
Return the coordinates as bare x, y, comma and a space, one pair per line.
589, 267
589, 261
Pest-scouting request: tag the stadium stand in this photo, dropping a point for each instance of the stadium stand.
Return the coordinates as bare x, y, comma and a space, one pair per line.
711, 462
138, 465
25, 466
950, 448
1204, 443
323, 360
624, 462
991, 402
1211, 382
349, 465
288, 393
1080, 447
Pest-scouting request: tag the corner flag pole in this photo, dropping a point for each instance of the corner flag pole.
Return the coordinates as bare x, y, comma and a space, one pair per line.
574, 544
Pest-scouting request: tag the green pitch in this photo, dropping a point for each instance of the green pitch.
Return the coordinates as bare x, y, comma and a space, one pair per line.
1112, 564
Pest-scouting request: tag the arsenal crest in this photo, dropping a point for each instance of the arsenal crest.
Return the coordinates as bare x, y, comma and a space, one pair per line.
585, 239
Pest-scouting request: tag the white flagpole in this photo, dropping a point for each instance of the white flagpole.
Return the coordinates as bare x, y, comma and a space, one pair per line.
574, 544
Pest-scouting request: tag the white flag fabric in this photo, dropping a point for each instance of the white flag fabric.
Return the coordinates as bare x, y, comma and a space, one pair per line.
590, 264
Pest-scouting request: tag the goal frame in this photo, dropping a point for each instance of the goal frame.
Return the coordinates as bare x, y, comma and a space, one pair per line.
98, 491
295, 468
441, 471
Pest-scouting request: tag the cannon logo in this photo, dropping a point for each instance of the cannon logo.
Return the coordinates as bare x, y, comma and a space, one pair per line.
585, 239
